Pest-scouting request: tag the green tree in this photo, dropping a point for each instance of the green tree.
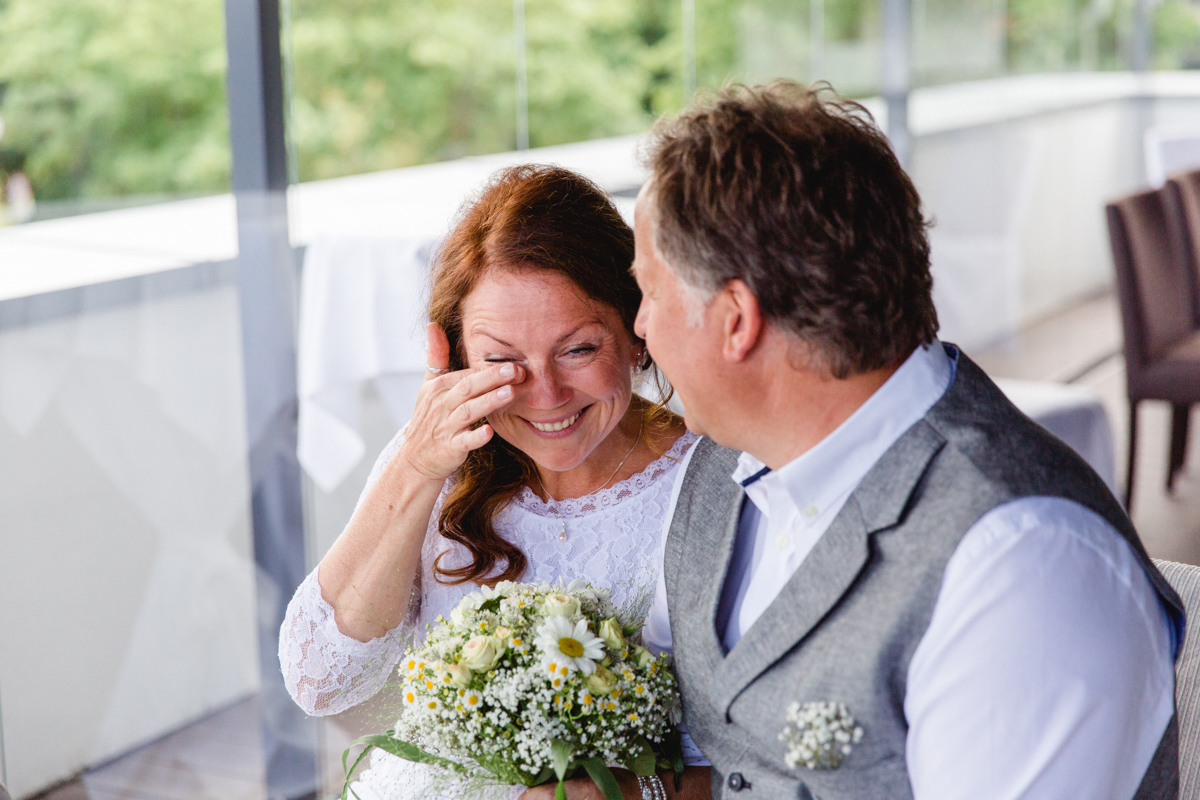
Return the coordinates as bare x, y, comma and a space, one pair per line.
112, 97
381, 84
105, 98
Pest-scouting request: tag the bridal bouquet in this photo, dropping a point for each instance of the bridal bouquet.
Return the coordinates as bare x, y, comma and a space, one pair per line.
528, 683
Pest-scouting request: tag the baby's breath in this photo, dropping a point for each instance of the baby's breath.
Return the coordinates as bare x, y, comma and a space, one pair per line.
819, 735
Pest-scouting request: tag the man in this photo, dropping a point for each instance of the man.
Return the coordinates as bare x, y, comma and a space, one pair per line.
895, 536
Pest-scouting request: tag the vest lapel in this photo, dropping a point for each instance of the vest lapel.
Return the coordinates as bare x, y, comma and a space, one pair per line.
831, 567
699, 546
721, 557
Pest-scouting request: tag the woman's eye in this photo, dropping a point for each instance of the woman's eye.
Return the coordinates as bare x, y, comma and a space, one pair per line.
582, 350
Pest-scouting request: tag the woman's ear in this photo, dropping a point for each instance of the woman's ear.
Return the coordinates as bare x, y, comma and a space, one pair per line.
742, 323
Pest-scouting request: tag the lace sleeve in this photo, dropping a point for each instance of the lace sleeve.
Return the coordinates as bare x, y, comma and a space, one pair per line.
326, 671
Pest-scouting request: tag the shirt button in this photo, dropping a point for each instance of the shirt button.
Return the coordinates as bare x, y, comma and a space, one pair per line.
810, 511
737, 782
782, 541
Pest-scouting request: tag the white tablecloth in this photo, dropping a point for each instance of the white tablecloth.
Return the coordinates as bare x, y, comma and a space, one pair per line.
1072, 413
362, 317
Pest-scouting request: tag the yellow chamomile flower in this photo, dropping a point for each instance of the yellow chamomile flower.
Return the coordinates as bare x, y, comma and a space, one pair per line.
571, 647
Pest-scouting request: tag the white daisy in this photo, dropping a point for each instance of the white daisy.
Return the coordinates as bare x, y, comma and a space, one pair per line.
572, 646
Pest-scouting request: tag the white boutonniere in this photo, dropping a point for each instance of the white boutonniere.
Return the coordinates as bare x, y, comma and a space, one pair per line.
819, 735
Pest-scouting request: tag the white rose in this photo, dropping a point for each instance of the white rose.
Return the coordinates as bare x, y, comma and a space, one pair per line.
610, 632
561, 605
644, 657
481, 653
457, 615
460, 675
601, 682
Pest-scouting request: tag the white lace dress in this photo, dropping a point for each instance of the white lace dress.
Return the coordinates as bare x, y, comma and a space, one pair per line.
612, 539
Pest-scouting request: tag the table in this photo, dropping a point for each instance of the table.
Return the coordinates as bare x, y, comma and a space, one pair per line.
362, 318
1072, 413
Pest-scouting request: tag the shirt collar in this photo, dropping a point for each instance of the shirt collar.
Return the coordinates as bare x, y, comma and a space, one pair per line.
829, 471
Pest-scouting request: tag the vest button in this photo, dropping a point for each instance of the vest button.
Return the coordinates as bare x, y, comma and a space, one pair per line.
737, 782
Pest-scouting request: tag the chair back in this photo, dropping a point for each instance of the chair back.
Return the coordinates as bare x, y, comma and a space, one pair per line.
1183, 220
1185, 580
1153, 280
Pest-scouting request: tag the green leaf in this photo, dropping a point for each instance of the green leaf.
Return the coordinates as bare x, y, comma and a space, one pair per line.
602, 776
672, 750
560, 756
409, 752
641, 762
506, 772
350, 772
560, 792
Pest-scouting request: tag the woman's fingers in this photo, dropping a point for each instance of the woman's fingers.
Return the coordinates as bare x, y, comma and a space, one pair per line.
474, 438
474, 383
475, 409
577, 789
438, 349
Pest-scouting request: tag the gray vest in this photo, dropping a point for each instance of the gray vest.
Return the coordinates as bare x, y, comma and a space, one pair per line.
845, 626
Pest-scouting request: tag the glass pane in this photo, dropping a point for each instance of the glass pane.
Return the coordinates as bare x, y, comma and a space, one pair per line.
126, 567
1177, 35
109, 104
757, 40
601, 69
1061, 35
957, 40
381, 84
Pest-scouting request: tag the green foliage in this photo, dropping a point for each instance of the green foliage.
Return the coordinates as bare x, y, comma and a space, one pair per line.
382, 84
1177, 35
107, 97
1056, 35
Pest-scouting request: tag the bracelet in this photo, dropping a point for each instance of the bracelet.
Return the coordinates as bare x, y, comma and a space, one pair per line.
652, 788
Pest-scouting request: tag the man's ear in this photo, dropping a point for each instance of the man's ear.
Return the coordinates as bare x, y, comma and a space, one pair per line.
743, 321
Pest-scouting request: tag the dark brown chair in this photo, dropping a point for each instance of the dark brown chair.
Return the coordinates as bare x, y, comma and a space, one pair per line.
1155, 285
1183, 225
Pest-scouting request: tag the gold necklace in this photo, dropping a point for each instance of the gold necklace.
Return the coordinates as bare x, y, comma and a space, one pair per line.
562, 534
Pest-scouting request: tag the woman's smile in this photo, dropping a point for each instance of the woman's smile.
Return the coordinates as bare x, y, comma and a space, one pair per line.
562, 427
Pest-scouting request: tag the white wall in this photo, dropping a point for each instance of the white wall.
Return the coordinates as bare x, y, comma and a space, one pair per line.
126, 570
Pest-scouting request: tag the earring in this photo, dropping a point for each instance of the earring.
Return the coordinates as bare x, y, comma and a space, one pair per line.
640, 366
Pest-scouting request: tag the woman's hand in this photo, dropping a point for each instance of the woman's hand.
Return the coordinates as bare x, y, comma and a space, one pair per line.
584, 789
697, 785
440, 434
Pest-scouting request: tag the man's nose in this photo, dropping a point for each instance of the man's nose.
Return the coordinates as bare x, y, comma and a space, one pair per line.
639, 322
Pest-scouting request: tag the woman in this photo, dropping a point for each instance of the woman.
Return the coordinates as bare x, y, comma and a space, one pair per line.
528, 456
